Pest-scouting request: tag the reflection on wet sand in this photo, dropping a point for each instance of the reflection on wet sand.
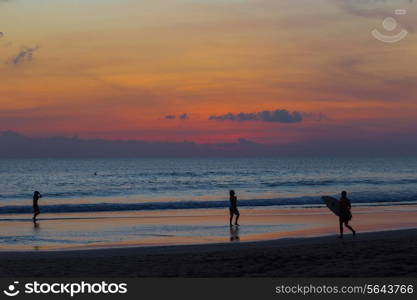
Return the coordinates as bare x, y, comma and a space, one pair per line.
36, 226
234, 234
174, 227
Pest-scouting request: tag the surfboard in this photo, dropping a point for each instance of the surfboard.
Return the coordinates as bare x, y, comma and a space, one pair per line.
332, 204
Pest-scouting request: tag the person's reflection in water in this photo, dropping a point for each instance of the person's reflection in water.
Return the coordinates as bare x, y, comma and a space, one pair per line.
36, 226
234, 234
36, 235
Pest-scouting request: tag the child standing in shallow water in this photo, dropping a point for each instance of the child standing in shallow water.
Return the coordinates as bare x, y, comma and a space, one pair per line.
233, 208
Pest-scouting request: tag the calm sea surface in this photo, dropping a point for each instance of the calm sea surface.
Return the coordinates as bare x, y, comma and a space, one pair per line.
70, 185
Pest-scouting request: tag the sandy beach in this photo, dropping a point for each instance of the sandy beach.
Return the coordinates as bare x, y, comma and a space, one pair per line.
384, 253
78, 231
270, 242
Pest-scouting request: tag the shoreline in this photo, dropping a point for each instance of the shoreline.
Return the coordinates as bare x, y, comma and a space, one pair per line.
72, 231
147, 249
280, 241
378, 253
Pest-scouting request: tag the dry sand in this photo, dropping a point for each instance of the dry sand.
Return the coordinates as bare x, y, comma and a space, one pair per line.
383, 253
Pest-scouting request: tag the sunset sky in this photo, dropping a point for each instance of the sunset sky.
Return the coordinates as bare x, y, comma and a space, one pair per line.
174, 70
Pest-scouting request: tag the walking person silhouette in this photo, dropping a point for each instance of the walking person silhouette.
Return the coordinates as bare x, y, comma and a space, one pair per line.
36, 210
233, 208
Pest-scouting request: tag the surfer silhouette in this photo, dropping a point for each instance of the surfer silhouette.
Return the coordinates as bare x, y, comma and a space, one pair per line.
36, 210
233, 208
345, 214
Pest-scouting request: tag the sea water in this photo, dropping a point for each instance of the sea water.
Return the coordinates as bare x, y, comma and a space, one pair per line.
88, 185
102, 202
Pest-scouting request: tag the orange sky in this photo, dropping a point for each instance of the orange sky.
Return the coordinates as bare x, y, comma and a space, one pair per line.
116, 68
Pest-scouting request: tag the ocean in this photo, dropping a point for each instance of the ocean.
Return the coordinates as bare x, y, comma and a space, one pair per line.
105, 185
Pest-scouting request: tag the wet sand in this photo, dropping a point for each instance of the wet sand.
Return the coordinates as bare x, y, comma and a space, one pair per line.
383, 247
185, 227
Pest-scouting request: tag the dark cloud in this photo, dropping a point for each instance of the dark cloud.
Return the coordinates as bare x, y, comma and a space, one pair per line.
183, 117
276, 116
365, 8
379, 9
25, 55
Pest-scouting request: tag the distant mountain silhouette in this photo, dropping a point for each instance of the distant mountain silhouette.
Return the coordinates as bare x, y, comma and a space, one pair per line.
15, 145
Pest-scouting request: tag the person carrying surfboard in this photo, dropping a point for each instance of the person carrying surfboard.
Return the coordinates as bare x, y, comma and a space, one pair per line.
345, 214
